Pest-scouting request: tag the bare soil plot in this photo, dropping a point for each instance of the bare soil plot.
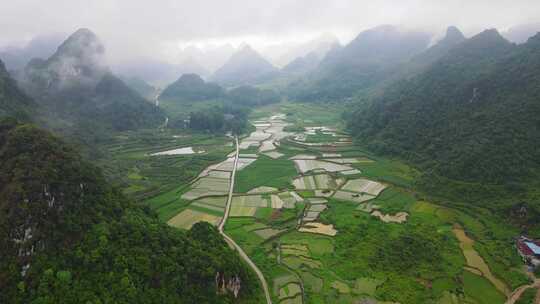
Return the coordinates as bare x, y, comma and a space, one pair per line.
324, 193
207, 186
289, 201
311, 216
210, 207
263, 189
317, 208
315, 201
306, 165
276, 202
352, 197
475, 261
242, 211
294, 249
267, 145
312, 182
341, 287
188, 218
259, 135
244, 162
249, 201
245, 144
214, 201
319, 228
325, 155
362, 185
273, 154
303, 156
219, 174
226, 165
399, 217
297, 197
351, 172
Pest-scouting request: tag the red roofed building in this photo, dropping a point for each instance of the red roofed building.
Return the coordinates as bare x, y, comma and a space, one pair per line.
529, 250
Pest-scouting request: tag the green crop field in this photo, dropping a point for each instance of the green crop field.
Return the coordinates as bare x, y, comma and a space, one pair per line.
265, 171
128, 163
416, 261
480, 290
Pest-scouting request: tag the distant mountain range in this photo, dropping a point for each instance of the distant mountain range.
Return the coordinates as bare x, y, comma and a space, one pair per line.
367, 60
42, 46
245, 67
284, 53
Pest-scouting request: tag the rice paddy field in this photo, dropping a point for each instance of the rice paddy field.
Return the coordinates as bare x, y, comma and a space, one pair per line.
364, 233
128, 160
327, 222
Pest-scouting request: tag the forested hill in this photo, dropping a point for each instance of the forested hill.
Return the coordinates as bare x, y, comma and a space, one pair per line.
191, 87
472, 115
76, 85
13, 102
68, 237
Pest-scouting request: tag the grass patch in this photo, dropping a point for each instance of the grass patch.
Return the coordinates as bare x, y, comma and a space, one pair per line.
481, 290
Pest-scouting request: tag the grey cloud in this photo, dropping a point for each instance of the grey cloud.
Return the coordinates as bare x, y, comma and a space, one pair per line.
132, 28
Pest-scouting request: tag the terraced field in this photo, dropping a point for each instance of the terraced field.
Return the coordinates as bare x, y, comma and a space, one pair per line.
328, 223
345, 240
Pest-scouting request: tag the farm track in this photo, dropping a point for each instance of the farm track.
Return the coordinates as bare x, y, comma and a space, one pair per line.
230, 240
516, 294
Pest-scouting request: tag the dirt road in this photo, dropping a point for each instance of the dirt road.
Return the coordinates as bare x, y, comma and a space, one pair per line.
229, 240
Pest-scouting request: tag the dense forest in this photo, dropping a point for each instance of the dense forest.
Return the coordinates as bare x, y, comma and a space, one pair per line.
67, 236
472, 115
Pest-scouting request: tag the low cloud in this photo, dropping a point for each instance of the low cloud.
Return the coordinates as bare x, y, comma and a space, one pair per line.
134, 28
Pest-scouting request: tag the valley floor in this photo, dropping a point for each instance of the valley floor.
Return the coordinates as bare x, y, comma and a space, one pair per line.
327, 222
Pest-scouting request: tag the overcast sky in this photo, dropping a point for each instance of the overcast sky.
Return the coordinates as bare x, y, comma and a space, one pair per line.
157, 28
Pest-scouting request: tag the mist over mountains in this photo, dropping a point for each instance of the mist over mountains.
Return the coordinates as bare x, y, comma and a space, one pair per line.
41, 46
76, 85
246, 152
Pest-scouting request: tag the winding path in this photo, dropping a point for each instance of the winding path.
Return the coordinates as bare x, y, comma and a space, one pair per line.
230, 240
520, 290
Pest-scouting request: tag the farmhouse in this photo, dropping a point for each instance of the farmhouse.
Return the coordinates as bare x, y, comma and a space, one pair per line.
529, 250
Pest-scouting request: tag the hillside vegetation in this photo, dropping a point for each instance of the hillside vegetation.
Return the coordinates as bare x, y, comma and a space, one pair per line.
473, 115
67, 236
